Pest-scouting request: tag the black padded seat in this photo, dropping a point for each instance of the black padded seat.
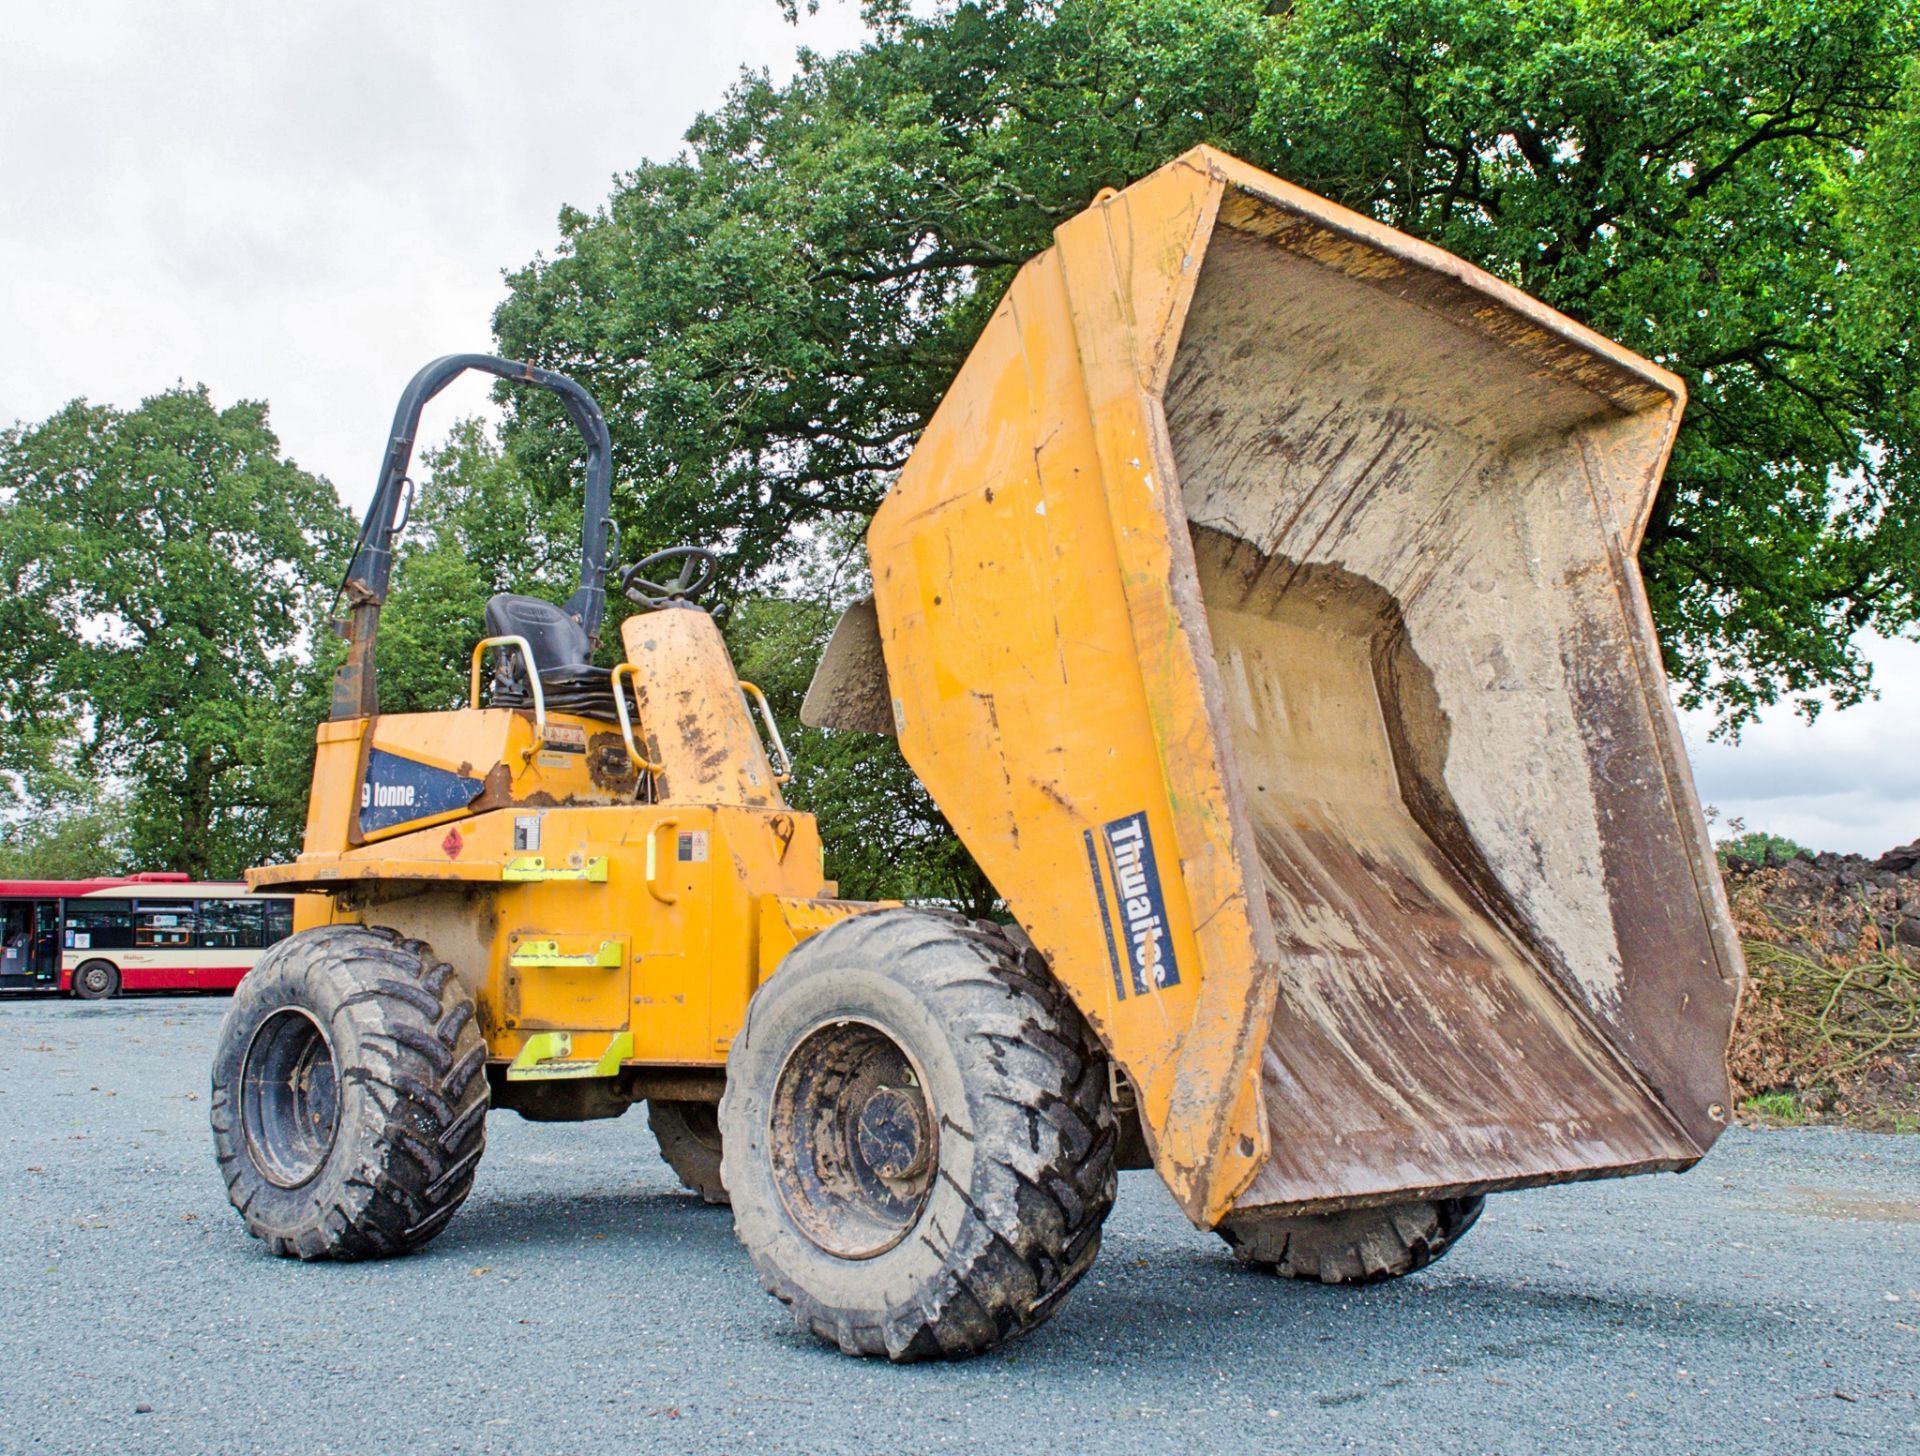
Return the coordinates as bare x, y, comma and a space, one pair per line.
568, 681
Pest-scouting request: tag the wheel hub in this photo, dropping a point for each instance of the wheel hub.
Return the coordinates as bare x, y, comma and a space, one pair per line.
892, 1133
853, 1143
289, 1097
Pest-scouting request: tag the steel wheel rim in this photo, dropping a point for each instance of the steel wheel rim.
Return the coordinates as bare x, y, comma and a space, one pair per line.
94, 979
852, 1142
290, 1097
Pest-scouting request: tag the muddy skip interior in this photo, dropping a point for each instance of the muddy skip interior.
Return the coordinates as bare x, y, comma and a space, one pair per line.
1409, 556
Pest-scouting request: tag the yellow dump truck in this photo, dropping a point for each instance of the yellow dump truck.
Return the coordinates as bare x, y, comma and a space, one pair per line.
1261, 609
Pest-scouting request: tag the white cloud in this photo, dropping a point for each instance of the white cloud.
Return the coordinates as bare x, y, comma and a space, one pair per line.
305, 203
1850, 781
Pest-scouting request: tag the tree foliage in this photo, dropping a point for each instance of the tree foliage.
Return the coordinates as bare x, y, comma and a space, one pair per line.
160, 567
1710, 184
1760, 847
770, 318
57, 820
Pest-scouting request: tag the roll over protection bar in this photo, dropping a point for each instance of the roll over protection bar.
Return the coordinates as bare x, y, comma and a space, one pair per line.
355, 693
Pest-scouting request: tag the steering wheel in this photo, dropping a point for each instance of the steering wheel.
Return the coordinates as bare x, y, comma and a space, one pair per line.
644, 583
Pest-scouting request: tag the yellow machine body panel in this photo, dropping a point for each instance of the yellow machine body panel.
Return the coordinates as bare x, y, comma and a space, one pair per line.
696, 725
384, 778
1260, 608
655, 922
607, 905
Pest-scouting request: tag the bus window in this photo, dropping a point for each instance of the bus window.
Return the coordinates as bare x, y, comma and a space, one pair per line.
99, 925
163, 924
230, 924
279, 921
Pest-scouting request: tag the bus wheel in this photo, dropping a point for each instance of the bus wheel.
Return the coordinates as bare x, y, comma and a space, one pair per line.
349, 1095
96, 980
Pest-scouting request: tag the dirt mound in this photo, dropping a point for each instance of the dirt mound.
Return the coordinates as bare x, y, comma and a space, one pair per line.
1831, 1022
1902, 861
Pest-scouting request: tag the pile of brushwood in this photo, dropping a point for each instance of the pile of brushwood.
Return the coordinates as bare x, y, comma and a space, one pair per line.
1830, 1026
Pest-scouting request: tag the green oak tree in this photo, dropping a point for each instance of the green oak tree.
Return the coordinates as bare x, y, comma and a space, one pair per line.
162, 566
769, 319
1725, 185
58, 821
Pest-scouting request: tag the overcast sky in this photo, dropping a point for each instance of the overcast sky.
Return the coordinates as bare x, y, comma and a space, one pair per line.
303, 204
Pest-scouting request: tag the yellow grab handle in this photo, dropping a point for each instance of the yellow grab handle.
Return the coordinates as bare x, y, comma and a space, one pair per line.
640, 761
533, 680
665, 897
781, 762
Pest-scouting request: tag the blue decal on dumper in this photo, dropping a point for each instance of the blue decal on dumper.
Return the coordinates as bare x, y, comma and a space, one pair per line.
399, 790
1146, 944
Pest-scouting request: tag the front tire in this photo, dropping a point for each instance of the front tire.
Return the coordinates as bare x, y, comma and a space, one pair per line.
96, 981
349, 1096
1355, 1245
917, 1137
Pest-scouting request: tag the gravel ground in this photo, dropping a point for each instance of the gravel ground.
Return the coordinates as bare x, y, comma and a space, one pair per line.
1768, 1301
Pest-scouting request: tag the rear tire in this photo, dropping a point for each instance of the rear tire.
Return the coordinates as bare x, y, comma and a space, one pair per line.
349, 1095
689, 1137
917, 1137
96, 981
1355, 1245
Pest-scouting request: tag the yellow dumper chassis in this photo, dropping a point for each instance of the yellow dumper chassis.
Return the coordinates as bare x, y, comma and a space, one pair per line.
1261, 609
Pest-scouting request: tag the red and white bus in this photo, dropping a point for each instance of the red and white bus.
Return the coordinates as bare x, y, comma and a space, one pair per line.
150, 932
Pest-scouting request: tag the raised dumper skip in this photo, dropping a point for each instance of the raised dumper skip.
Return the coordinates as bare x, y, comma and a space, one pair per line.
1261, 609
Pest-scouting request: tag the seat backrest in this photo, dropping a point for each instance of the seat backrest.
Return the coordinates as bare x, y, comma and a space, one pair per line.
557, 639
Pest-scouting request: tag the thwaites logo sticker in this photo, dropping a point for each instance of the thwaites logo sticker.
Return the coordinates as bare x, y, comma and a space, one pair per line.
1134, 913
399, 790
